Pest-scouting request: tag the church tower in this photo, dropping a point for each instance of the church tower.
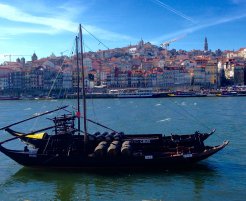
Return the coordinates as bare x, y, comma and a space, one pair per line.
206, 45
34, 57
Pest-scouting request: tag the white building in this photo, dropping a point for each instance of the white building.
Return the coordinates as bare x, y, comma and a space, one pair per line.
67, 80
242, 53
88, 63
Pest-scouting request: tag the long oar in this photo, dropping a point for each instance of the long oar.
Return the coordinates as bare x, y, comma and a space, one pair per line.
60, 108
32, 133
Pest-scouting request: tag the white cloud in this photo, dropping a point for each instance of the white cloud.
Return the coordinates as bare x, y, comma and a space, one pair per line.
107, 35
169, 8
49, 25
13, 14
198, 27
17, 30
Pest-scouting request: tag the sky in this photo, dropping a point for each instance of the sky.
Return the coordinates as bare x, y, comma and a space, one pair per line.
50, 26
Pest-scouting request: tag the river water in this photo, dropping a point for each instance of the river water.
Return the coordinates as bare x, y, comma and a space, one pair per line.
221, 177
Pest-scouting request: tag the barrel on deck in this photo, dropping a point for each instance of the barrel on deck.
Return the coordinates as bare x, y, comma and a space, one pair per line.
109, 137
100, 138
101, 148
114, 148
126, 148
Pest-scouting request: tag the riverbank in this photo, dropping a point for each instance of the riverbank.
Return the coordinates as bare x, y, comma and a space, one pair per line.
153, 95
130, 93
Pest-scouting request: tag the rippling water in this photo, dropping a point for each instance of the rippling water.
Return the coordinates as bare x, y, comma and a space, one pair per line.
221, 177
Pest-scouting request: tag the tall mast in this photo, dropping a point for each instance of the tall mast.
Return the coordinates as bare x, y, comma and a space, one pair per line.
83, 89
78, 71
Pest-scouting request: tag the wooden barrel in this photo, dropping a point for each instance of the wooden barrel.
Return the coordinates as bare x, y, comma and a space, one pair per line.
119, 136
109, 137
126, 148
114, 148
97, 133
101, 148
91, 137
100, 138
126, 143
105, 133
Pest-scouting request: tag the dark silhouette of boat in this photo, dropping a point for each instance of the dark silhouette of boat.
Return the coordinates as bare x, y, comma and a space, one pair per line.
71, 147
39, 140
144, 158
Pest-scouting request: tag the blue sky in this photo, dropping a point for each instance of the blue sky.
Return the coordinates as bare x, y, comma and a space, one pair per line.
48, 26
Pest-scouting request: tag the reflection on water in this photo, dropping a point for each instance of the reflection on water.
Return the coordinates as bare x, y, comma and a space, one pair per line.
112, 184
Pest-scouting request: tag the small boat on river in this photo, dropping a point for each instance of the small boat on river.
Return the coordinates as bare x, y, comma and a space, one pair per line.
9, 98
186, 94
131, 93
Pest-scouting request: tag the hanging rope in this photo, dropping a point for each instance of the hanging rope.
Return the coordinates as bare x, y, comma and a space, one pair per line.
53, 84
100, 42
188, 114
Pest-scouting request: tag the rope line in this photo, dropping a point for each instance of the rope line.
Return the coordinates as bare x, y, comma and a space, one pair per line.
188, 114
53, 84
193, 117
100, 42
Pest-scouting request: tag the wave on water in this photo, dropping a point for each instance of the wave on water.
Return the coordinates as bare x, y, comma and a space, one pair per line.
29, 108
195, 104
163, 120
108, 107
183, 103
158, 104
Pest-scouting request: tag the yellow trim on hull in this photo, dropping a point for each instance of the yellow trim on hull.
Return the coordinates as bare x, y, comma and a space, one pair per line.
38, 136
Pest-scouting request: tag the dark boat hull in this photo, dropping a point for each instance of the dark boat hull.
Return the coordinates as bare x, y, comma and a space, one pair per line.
157, 160
170, 141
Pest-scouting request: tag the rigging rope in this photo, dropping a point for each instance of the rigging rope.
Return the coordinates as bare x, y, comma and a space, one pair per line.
53, 84
60, 71
100, 42
87, 47
191, 115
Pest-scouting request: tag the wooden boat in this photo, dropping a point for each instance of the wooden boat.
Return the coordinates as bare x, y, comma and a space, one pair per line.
39, 140
71, 147
138, 159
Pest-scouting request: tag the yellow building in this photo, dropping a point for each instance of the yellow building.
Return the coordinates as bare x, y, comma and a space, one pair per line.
211, 73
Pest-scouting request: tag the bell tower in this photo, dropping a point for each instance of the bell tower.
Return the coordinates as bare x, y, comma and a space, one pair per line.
206, 45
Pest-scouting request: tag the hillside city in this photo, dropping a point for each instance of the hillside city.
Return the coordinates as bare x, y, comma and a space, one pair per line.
136, 66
